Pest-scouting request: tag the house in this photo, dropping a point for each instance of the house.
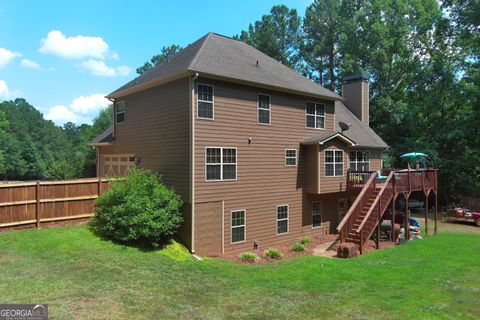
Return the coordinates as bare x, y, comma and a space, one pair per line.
259, 153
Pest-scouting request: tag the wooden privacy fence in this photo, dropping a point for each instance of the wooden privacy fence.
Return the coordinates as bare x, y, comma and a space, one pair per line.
33, 203
470, 203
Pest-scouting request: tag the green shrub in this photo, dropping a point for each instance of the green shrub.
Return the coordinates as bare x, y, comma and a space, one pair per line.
273, 253
304, 241
298, 248
248, 257
138, 210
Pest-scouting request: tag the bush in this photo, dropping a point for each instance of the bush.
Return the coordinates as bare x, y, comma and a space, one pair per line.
138, 210
305, 241
298, 248
273, 253
248, 257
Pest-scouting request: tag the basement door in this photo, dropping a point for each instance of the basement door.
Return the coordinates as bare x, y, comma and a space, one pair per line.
208, 228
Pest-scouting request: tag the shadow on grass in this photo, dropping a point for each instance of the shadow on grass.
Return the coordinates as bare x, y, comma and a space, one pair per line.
143, 245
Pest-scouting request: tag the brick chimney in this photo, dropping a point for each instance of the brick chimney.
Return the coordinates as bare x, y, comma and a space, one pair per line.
355, 91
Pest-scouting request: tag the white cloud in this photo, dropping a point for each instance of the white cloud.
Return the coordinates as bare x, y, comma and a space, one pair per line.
6, 56
81, 110
100, 68
88, 104
27, 63
61, 114
4, 91
77, 47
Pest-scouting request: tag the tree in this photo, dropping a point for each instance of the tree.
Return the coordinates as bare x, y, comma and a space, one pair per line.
166, 54
278, 35
322, 27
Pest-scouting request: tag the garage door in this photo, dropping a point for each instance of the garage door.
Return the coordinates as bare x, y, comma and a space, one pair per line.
116, 165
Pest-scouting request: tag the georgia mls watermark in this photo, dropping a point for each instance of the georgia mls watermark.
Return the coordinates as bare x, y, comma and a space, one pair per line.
23, 311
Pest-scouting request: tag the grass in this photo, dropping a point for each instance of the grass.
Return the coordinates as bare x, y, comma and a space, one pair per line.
84, 277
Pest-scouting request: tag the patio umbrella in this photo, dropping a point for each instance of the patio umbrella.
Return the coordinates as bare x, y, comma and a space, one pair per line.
413, 155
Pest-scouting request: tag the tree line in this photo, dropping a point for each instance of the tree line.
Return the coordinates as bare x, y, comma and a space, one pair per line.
423, 58
34, 148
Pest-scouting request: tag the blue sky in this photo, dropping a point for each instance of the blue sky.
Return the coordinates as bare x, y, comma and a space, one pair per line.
64, 56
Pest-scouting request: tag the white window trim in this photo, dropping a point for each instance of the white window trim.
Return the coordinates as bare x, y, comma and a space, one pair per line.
212, 102
244, 226
269, 110
296, 157
277, 220
334, 163
221, 164
321, 214
116, 111
324, 115
357, 162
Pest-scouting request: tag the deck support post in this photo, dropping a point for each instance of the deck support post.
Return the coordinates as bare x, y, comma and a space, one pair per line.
436, 211
407, 217
427, 193
393, 217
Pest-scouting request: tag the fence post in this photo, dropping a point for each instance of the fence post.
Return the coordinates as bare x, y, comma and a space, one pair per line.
37, 204
99, 186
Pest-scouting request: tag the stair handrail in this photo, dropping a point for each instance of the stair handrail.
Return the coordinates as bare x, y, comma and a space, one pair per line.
342, 223
374, 204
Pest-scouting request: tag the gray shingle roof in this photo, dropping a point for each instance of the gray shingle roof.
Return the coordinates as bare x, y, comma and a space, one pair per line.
362, 135
221, 56
324, 136
359, 132
105, 138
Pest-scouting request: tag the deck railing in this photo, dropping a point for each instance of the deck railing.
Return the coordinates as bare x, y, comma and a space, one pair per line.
357, 179
415, 180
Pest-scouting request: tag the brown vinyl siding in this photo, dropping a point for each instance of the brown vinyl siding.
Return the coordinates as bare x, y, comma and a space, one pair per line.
329, 211
263, 180
156, 130
333, 184
310, 168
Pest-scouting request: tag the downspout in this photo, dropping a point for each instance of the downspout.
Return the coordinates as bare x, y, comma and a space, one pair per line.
113, 120
192, 158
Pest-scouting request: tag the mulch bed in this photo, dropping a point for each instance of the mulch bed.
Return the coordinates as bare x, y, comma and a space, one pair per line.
285, 248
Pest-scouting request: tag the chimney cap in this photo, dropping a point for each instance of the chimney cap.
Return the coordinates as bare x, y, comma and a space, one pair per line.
362, 76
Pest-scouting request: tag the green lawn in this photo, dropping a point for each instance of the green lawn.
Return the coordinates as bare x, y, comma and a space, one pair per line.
81, 276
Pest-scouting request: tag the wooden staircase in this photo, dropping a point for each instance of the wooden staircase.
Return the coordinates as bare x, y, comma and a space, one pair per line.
352, 235
365, 215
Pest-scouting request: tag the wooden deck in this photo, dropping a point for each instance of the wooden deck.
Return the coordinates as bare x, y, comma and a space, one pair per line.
376, 195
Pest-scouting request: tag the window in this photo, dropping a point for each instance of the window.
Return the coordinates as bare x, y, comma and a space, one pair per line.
221, 164
315, 115
290, 157
316, 214
120, 111
204, 101
333, 163
263, 109
282, 219
238, 226
360, 160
